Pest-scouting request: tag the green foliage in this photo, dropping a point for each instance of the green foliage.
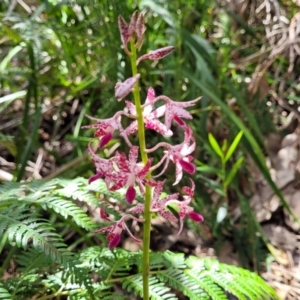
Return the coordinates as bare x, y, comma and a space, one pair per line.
76, 44
47, 269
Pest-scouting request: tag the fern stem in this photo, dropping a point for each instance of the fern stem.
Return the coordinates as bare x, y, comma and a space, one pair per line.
142, 143
58, 294
8, 257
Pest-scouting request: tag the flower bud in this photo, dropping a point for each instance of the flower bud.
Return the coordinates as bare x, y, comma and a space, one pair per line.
156, 54
140, 29
124, 88
124, 32
133, 21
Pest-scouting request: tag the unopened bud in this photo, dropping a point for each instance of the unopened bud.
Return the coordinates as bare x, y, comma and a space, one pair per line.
140, 29
133, 21
156, 54
123, 31
124, 88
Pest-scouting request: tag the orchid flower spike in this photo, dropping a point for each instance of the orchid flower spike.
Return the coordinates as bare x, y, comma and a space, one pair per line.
122, 171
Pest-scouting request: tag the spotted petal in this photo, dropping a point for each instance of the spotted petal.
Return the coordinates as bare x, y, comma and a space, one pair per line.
156, 54
124, 88
176, 110
123, 27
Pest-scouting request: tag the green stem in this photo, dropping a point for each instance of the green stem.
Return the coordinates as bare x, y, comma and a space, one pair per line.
8, 257
224, 186
142, 142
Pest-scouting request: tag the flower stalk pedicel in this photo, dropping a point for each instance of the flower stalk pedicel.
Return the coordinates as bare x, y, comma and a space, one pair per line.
120, 171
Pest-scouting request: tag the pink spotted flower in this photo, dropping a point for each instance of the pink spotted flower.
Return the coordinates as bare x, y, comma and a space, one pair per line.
175, 110
130, 173
157, 203
183, 206
104, 167
160, 205
150, 116
179, 154
115, 230
106, 128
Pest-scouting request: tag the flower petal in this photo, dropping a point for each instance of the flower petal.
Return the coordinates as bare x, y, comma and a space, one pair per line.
150, 94
187, 166
159, 127
139, 208
144, 171
195, 217
130, 194
114, 241
105, 139
103, 214
133, 154
132, 24
95, 177
156, 54
140, 29
123, 30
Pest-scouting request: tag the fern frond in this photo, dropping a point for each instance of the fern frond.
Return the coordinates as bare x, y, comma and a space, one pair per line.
157, 289
213, 290
175, 260
4, 293
110, 264
66, 209
179, 281
214, 277
21, 227
32, 259
196, 278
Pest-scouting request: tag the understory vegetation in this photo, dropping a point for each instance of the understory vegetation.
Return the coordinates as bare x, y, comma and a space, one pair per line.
59, 61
